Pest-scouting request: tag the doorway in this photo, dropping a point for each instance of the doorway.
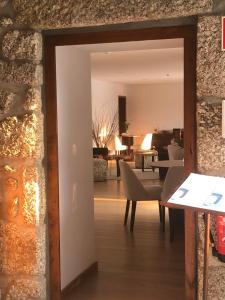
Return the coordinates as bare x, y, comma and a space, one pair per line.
188, 33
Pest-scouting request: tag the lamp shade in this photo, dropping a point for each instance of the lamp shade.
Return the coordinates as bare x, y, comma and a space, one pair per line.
118, 144
147, 142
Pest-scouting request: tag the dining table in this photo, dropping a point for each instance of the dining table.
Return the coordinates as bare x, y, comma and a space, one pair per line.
167, 163
164, 165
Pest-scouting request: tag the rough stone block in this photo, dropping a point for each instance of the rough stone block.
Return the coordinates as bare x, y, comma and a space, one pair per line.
33, 100
20, 136
23, 289
163, 8
22, 45
31, 200
21, 250
210, 58
57, 14
26, 73
219, 6
6, 22
6, 101
216, 279
21, 192
211, 145
3, 3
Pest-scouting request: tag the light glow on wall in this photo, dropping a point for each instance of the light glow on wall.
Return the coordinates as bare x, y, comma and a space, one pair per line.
37, 203
147, 142
31, 206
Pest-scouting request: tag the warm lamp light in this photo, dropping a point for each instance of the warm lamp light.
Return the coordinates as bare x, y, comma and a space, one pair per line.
147, 142
103, 132
118, 144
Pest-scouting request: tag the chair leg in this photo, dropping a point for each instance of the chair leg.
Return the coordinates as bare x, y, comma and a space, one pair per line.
171, 220
163, 218
133, 210
160, 212
127, 212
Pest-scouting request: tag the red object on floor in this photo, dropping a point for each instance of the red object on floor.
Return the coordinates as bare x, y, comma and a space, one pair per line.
220, 223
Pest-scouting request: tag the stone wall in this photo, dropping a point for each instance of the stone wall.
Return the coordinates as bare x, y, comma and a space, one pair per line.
22, 188
211, 145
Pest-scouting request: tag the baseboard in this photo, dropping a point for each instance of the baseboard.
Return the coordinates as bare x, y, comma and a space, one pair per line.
80, 278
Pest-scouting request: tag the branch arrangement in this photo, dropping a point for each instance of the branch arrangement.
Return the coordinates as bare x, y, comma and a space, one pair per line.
104, 127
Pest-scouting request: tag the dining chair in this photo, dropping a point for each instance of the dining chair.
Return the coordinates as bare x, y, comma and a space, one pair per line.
175, 152
135, 191
173, 180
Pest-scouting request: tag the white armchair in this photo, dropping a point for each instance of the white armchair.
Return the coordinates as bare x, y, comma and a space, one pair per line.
175, 152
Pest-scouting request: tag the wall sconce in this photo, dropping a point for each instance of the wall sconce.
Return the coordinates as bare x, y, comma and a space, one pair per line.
223, 118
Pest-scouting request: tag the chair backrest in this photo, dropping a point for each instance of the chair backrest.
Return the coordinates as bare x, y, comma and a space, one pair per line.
175, 152
133, 188
173, 180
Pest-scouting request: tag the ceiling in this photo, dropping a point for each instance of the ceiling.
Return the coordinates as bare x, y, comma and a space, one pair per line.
137, 62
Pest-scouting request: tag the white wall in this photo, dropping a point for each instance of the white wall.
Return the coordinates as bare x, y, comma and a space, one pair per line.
105, 96
158, 105
75, 162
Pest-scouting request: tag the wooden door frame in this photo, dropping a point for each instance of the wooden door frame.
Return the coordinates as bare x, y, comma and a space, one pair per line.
188, 33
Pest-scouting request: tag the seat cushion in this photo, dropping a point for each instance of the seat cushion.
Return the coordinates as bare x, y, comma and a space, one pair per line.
153, 192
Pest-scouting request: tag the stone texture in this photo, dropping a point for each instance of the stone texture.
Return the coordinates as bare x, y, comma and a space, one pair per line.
19, 136
216, 282
20, 194
25, 73
210, 58
6, 22
70, 13
3, 3
211, 145
201, 229
22, 289
219, 6
32, 100
22, 45
21, 250
31, 199
6, 101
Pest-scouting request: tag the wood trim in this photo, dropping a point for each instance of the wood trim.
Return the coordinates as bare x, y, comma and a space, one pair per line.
79, 279
188, 33
126, 35
122, 113
52, 172
190, 158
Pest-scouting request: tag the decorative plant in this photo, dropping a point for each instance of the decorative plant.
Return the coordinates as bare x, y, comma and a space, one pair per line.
104, 128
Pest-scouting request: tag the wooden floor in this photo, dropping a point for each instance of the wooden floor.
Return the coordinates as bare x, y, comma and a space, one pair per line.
139, 266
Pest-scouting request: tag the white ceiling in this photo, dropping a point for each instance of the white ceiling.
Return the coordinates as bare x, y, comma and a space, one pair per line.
137, 62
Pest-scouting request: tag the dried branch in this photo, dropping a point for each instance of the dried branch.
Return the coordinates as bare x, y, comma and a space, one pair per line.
104, 127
